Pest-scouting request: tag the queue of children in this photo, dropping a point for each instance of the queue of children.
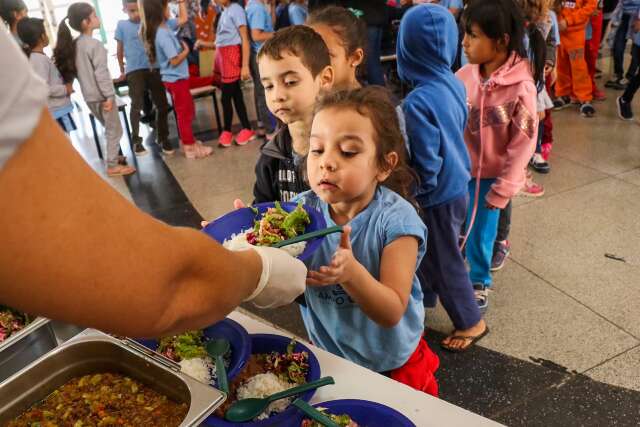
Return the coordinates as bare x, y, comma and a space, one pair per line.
418, 188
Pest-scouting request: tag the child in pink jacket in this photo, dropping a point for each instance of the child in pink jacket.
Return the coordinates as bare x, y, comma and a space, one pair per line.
500, 89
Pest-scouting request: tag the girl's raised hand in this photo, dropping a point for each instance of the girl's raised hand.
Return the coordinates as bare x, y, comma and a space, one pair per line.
342, 265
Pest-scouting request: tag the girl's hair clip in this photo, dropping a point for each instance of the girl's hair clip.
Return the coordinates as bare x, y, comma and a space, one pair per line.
357, 12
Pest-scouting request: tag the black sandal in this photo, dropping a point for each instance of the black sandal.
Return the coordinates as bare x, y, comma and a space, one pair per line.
471, 339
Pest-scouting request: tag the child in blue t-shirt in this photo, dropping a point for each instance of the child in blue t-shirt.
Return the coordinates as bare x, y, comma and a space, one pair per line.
232, 64
297, 12
141, 78
364, 300
260, 17
163, 47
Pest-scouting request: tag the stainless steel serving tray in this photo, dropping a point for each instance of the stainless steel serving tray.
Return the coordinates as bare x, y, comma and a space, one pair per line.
93, 352
35, 340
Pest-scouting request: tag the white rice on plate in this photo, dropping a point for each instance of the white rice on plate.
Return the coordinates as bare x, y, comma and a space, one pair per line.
200, 368
264, 385
238, 242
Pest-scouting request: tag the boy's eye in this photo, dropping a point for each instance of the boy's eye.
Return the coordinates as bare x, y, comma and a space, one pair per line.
267, 87
290, 82
349, 154
316, 152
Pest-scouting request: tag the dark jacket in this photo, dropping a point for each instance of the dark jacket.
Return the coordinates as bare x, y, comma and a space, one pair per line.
435, 110
277, 175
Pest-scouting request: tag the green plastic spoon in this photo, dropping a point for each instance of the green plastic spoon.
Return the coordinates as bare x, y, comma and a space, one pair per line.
313, 413
247, 409
217, 349
308, 236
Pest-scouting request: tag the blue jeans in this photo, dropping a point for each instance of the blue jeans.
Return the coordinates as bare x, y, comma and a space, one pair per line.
479, 247
375, 75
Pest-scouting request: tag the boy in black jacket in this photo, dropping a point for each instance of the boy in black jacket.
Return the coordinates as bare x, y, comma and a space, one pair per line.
295, 68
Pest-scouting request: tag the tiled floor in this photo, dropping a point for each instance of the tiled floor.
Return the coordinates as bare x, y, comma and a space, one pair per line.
564, 347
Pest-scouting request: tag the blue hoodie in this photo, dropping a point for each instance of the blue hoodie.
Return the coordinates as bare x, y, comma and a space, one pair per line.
436, 110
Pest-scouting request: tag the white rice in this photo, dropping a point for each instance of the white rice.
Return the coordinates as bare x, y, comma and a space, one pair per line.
238, 242
264, 385
199, 368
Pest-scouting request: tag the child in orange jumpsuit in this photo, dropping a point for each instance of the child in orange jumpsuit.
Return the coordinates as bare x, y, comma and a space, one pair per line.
573, 75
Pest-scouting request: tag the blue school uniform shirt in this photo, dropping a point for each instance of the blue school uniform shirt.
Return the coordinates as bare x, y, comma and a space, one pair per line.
167, 47
297, 14
333, 320
128, 33
231, 19
259, 18
451, 4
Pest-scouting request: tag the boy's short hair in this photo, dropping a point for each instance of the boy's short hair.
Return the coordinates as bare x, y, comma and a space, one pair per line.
300, 41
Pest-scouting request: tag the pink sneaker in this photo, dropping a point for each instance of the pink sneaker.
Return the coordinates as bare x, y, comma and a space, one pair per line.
226, 139
546, 151
245, 136
531, 189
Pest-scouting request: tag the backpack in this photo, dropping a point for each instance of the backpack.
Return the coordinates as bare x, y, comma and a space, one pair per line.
282, 18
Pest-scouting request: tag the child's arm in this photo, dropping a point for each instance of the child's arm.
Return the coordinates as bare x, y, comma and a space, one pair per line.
384, 301
120, 55
101, 71
244, 35
523, 132
424, 145
579, 15
183, 15
177, 60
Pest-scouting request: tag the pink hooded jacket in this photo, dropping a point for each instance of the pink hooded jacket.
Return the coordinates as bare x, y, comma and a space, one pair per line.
502, 147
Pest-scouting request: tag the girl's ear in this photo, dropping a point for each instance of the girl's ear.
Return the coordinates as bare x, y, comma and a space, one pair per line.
326, 78
357, 57
391, 159
504, 42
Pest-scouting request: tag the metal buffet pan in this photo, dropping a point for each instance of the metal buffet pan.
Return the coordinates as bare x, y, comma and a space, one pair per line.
36, 339
93, 352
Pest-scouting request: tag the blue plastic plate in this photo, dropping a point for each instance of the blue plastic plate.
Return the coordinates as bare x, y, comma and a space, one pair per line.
363, 412
266, 343
231, 331
241, 220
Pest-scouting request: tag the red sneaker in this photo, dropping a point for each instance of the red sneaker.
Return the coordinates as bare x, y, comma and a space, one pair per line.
226, 139
599, 95
245, 136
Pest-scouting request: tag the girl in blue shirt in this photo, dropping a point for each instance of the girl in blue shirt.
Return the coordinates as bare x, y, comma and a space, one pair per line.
364, 301
162, 45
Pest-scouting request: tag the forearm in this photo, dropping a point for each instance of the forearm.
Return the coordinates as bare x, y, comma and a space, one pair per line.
260, 36
244, 35
75, 250
177, 60
182, 13
120, 55
380, 303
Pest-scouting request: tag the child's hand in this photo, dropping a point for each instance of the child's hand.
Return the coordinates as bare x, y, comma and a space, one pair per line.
107, 105
122, 78
245, 74
342, 265
490, 206
541, 115
636, 25
562, 25
69, 88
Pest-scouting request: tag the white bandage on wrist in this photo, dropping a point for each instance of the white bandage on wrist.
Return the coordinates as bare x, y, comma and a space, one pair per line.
264, 276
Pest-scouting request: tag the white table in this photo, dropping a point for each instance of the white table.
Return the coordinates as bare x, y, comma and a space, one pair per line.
356, 382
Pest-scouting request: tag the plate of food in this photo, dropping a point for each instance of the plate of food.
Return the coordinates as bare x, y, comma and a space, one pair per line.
12, 322
265, 224
188, 350
276, 363
356, 413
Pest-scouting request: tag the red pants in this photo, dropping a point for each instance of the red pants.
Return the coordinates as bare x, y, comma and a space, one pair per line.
184, 108
592, 47
418, 372
547, 133
573, 74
